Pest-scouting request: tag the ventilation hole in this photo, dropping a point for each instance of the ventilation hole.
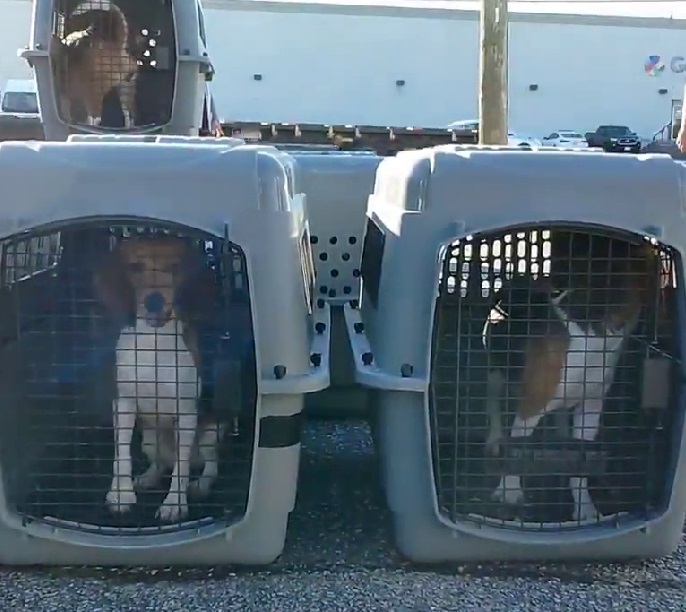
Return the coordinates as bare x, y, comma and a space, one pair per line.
352, 240
345, 257
332, 293
334, 273
356, 273
347, 290
314, 239
323, 256
333, 240
324, 290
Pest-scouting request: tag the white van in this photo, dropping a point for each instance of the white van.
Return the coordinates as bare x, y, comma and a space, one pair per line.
19, 99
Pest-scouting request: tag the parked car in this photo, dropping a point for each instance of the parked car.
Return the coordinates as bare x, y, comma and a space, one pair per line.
19, 113
565, 138
520, 140
468, 130
614, 138
19, 99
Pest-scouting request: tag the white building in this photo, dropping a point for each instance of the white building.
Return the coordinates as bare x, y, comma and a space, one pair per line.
415, 63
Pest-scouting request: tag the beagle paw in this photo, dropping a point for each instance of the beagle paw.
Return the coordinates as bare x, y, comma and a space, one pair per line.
121, 496
174, 508
586, 513
509, 491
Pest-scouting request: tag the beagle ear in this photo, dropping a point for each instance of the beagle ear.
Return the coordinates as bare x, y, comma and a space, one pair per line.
196, 291
113, 288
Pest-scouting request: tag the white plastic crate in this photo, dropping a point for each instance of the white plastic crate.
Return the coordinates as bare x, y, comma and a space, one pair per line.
106, 66
286, 160
519, 318
91, 233
337, 185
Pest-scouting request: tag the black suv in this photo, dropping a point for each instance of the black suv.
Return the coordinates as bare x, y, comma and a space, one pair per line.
614, 138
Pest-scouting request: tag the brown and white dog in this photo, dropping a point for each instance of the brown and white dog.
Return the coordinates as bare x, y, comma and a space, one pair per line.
559, 349
93, 58
159, 289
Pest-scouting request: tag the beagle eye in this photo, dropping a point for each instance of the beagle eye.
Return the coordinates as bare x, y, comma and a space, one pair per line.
135, 267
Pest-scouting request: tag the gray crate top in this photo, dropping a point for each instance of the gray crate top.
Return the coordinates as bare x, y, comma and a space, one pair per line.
165, 139
340, 161
191, 184
482, 188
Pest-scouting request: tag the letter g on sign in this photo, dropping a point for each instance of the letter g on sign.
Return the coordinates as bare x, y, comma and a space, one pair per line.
678, 64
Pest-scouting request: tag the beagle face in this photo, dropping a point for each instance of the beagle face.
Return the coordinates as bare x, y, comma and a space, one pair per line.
153, 268
155, 280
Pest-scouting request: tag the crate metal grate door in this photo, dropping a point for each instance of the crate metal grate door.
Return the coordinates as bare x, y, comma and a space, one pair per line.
553, 378
62, 366
114, 63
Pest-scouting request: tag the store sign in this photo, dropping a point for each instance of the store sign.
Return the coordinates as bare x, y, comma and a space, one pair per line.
678, 64
654, 65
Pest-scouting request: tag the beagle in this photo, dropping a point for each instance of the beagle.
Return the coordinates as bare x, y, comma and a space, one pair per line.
159, 292
93, 58
559, 349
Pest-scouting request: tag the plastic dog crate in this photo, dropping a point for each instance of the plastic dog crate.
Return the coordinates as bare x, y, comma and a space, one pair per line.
337, 185
149, 291
521, 322
118, 66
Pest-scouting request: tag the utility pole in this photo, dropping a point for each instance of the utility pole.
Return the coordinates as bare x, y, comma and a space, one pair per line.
493, 73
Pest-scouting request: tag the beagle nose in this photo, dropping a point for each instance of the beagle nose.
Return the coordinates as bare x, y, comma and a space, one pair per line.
154, 302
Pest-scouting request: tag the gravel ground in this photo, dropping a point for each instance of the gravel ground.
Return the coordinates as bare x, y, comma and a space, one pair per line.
339, 556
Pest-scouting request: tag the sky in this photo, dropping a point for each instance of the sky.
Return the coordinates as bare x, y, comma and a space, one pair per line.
675, 9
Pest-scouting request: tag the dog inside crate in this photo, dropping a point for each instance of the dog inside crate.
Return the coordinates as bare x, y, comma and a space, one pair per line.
553, 376
129, 388
114, 62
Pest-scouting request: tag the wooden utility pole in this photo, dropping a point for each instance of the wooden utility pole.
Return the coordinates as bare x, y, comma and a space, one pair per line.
493, 73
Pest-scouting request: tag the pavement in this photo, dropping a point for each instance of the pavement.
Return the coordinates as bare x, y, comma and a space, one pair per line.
340, 556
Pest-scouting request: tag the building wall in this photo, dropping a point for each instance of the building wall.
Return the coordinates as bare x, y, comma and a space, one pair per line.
343, 68
333, 64
15, 29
